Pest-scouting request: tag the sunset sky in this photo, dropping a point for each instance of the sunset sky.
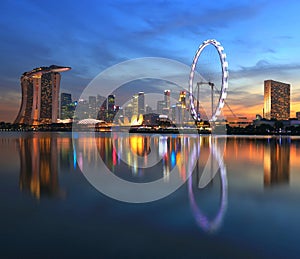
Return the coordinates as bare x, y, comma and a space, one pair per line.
261, 40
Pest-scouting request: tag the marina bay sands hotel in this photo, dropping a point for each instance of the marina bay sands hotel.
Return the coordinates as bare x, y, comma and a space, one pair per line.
40, 95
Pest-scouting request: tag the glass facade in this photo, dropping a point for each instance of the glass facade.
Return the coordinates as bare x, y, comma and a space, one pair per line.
276, 100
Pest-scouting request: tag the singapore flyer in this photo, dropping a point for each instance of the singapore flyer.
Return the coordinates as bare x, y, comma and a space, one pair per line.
221, 90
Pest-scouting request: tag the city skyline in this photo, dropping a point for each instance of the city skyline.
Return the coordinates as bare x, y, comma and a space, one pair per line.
276, 104
260, 39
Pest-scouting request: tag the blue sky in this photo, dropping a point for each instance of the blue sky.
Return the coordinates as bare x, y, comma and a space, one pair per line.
261, 39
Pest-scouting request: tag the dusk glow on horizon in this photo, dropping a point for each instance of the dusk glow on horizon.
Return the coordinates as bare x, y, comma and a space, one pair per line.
260, 38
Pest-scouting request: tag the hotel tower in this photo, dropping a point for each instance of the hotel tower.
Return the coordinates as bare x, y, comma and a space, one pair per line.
40, 94
276, 100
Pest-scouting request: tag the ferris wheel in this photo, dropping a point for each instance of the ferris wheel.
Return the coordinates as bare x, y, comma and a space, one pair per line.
222, 92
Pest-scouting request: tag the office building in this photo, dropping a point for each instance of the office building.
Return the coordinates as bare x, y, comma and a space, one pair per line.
276, 100
167, 98
135, 105
111, 102
161, 105
182, 99
141, 103
65, 105
128, 111
40, 94
102, 113
92, 107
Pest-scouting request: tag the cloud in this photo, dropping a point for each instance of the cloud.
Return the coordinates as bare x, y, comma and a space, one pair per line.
192, 17
263, 68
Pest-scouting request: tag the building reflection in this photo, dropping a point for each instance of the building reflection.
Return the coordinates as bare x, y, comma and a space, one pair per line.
277, 161
39, 165
202, 155
66, 154
145, 156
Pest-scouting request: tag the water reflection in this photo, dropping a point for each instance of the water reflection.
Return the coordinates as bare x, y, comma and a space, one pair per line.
41, 158
277, 161
159, 163
275, 154
147, 158
213, 163
143, 157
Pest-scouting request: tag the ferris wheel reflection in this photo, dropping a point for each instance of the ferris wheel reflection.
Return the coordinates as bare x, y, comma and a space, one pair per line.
214, 164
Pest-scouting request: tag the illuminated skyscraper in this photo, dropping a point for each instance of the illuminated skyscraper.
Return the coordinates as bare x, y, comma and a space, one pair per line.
276, 100
182, 99
181, 105
40, 92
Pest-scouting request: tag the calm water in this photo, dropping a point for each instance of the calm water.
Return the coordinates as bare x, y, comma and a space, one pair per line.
250, 208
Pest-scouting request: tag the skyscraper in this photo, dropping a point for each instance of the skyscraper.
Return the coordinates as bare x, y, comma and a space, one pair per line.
102, 103
111, 102
141, 103
92, 107
276, 100
40, 92
167, 96
161, 105
65, 102
182, 99
135, 105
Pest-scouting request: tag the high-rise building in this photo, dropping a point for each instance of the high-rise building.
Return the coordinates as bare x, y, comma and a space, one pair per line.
167, 98
141, 103
181, 107
92, 107
65, 103
135, 104
182, 99
111, 102
276, 100
161, 105
128, 111
40, 94
102, 113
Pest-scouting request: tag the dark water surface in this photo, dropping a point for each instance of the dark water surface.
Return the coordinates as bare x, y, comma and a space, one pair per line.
49, 209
